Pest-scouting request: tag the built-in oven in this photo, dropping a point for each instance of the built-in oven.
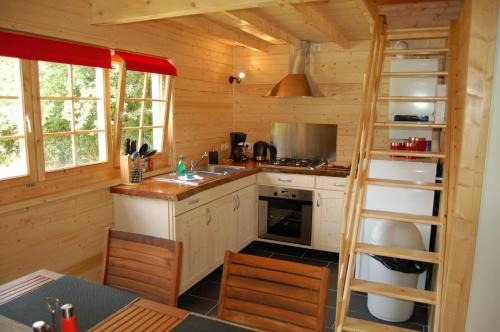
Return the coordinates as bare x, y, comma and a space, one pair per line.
285, 214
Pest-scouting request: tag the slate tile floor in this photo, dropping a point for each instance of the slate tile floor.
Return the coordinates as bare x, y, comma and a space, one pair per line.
202, 298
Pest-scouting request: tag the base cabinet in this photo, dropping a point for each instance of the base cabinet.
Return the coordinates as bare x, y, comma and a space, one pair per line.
228, 223
327, 214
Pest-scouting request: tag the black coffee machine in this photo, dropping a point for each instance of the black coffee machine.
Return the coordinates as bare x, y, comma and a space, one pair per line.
237, 140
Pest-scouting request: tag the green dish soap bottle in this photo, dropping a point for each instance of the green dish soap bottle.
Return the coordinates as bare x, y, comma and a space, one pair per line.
181, 166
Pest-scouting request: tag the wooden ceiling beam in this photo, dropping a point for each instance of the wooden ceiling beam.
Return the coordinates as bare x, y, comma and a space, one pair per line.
107, 12
248, 17
204, 25
369, 9
323, 25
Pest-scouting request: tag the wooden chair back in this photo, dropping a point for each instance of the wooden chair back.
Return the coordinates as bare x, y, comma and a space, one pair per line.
146, 265
273, 295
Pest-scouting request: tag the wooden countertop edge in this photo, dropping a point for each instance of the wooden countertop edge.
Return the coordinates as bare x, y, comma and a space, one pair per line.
177, 192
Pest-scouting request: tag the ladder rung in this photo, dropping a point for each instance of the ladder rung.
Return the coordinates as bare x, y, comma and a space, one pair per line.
415, 74
412, 99
408, 124
395, 252
405, 184
419, 51
418, 33
360, 325
402, 153
402, 217
397, 292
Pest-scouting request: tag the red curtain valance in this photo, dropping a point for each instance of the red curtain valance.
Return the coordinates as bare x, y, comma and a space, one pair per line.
147, 63
36, 48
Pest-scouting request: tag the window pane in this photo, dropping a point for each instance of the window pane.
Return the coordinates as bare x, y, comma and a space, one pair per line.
11, 119
153, 114
135, 85
56, 116
86, 115
131, 114
132, 134
58, 152
87, 149
9, 73
54, 79
147, 137
12, 158
85, 82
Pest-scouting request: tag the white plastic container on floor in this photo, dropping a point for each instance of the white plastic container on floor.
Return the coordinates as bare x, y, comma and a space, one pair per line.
392, 234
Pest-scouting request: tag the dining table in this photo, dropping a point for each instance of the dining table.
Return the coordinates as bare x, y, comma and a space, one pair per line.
135, 314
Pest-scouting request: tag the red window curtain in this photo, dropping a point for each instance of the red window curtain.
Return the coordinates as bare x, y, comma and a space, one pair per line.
147, 63
35, 48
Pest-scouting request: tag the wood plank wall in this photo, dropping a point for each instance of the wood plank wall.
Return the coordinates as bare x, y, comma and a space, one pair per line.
65, 235
474, 62
337, 72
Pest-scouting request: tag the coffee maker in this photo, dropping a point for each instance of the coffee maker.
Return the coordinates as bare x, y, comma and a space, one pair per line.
237, 140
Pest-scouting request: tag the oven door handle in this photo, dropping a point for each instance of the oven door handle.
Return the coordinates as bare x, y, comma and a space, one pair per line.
318, 200
284, 180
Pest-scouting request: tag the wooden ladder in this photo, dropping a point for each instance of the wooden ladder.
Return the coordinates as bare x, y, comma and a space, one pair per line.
359, 180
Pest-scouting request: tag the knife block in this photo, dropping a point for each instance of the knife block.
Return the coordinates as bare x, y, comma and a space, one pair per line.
131, 171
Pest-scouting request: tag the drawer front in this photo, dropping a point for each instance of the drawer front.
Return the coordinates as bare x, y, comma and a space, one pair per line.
284, 179
212, 194
330, 183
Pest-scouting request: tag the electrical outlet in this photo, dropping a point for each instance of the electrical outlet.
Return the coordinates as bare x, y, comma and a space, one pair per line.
249, 145
224, 146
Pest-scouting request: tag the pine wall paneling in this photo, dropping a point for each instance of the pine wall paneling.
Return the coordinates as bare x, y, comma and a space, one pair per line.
65, 235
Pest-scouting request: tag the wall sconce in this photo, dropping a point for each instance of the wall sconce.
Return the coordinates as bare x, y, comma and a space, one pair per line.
237, 79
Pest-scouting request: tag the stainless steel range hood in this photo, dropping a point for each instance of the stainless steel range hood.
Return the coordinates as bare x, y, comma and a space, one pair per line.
296, 83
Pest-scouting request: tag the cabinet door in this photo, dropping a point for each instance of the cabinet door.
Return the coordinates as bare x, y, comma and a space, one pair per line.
326, 220
222, 214
245, 217
194, 230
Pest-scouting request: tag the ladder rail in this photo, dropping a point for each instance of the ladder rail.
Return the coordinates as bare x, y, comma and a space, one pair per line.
360, 137
364, 167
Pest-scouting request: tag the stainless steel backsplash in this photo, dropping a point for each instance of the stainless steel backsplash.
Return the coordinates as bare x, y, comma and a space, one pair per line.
305, 140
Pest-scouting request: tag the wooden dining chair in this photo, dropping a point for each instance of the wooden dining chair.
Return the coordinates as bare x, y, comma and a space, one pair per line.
271, 294
146, 265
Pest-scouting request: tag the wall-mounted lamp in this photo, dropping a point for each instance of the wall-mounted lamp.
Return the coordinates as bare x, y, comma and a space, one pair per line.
237, 79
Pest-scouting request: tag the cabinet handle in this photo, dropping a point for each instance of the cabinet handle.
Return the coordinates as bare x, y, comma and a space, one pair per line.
318, 200
284, 180
237, 202
338, 185
209, 216
194, 201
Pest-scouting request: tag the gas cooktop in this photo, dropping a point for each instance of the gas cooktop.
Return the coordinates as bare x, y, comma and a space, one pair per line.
293, 162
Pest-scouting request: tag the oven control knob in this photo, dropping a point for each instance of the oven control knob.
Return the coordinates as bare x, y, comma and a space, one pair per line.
293, 196
275, 193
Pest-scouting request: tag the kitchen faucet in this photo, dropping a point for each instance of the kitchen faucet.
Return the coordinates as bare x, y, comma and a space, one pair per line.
195, 163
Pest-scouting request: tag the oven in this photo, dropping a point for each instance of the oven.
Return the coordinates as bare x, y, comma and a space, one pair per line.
285, 214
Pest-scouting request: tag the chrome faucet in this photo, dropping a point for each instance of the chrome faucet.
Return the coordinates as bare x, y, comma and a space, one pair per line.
194, 164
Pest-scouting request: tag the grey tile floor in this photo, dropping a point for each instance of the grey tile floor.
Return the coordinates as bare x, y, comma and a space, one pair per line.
203, 297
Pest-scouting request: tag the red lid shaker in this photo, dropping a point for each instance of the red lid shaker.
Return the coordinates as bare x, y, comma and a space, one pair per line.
68, 319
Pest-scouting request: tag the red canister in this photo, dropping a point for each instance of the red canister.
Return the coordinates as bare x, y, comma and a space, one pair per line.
421, 144
410, 146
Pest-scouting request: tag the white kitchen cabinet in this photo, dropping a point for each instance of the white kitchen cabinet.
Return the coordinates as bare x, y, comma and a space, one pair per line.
245, 217
327, 215
222, 211
196, 231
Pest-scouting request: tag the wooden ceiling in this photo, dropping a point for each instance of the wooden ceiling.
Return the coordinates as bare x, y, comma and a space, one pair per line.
259, 23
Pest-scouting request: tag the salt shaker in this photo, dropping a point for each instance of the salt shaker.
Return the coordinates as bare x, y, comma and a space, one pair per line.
68, 319
40, 326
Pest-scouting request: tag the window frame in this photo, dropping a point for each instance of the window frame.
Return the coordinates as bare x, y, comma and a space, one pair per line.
167, 139
106, 100
26, 105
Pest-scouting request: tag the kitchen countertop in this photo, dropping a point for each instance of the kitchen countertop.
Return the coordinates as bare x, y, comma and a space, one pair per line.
172, 191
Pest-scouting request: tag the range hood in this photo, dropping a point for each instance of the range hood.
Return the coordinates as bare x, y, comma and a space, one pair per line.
296, 83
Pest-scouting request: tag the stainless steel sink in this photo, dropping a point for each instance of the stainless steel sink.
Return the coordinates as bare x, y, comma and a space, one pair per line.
202, 175
219, 170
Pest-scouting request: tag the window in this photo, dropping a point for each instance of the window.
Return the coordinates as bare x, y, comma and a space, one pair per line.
13, 159
73, 114
144, 108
